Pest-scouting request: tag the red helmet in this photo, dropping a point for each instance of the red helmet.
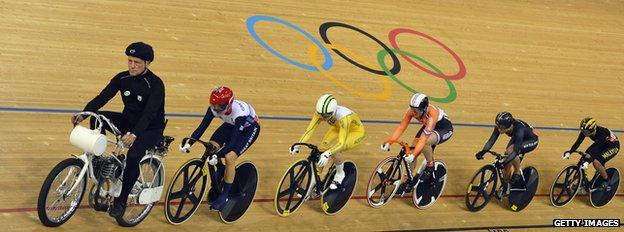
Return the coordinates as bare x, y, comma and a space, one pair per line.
221, 98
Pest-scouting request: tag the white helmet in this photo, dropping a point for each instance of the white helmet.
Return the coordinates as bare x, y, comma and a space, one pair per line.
419, 101
326, 104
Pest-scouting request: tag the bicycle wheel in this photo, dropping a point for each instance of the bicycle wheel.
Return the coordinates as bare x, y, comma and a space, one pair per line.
426, 194
599, 196
242, 193
334, 200
188, 186
384, 182
292, 190
566, 186
150, 181
518, 200
56, 204
481, 188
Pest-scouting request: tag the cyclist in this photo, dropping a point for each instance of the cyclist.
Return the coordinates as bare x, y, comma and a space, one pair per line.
523, 140
142, 120
239, 131
346, 129
604, 148
436, 129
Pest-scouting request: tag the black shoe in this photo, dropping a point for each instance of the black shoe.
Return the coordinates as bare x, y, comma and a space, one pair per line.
401, 188
406, 187
100, 207
517, 183
117, 210
219, 203
427, 175
604, 185
335, 185
213, 194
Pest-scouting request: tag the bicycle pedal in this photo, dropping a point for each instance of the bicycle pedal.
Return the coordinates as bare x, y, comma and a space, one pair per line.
100, 207
401, 189
314, 195
582, 191
305, 198
396, 183
500, 194
402, 193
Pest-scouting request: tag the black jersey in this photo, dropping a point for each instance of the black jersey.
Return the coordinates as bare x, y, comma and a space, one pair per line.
143, 97
521, 131
601, 137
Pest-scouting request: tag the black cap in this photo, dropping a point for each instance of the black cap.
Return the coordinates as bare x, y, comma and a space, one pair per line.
140, 50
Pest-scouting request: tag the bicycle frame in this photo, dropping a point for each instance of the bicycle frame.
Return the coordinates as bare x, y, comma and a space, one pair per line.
400, 158
211, 169
585, 182
405, 150
87, 158
499, 170
312, 159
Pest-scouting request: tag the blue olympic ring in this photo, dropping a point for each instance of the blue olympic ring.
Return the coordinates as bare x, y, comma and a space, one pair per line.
251, 22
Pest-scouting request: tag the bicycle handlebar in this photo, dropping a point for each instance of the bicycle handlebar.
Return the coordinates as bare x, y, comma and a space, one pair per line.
406, 146
99, 118
209, 148
498, 155
579, 152
312, 147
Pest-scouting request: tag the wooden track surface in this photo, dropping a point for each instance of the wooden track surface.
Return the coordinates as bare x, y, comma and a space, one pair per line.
550, 64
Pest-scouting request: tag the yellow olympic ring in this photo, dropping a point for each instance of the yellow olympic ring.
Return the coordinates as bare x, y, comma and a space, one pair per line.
314, 57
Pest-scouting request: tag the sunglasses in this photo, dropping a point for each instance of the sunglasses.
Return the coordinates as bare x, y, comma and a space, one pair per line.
417, 110
220, 108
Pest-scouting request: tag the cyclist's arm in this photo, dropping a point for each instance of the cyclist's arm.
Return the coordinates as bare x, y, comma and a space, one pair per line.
488, 145
402, 126
316, 119
578, 142
197, 134
105, 95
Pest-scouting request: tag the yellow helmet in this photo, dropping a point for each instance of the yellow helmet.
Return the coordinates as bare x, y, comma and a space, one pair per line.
588, 124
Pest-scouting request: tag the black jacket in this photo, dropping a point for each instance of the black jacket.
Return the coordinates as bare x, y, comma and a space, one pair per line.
143, 97
602, 137
521, 131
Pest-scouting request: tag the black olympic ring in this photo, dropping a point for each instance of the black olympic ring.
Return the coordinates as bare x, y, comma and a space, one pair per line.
323, 32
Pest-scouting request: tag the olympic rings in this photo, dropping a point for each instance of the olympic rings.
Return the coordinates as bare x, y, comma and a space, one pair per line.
323, 31
462, 68
452, 91
314, 59
356, 60
251, 22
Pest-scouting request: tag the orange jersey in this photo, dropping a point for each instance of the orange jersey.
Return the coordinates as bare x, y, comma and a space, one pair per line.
429, 121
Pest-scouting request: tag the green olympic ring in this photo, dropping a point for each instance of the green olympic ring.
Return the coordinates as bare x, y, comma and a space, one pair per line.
381, 55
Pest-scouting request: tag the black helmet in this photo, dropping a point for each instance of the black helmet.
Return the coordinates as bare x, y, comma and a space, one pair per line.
504, 120
588, 125
140, 50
